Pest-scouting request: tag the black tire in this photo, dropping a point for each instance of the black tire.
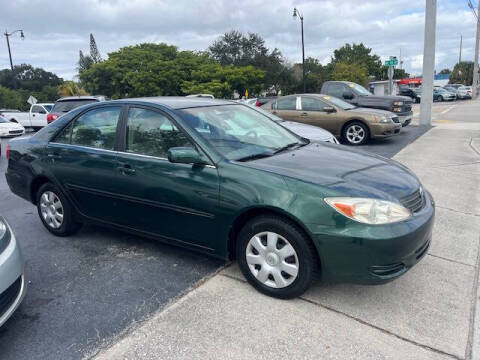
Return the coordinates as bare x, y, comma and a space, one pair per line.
68, 226
306, 254
346, 129
440, 98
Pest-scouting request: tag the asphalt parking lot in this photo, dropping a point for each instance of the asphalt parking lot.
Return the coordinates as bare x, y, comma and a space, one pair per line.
87, 289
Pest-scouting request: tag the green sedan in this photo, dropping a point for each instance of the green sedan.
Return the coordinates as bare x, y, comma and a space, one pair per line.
225, 180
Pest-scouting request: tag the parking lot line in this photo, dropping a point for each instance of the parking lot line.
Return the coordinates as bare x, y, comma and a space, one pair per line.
448, 109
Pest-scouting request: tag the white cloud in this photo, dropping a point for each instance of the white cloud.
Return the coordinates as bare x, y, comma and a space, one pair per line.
55, 30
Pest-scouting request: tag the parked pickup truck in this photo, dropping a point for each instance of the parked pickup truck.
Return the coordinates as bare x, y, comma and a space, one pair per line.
36, 118
359, 96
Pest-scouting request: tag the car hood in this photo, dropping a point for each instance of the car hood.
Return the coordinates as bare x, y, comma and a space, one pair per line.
342, 170
11, 126
372, 111
308, 131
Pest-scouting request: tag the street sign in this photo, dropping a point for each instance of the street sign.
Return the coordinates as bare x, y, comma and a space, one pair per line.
31, 100
391, 62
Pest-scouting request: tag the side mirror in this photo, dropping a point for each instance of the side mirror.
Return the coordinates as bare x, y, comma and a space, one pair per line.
329, 109
185, 155
348, 95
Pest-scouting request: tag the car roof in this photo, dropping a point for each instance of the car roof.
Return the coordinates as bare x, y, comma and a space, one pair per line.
180, 102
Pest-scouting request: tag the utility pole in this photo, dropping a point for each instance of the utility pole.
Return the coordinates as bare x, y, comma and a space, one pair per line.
475, 64
460, 55
7, 35
295, 14
428, 62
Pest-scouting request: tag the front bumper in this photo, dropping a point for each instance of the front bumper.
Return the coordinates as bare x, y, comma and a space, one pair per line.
365, 254
385, 130
12, 281
405, 118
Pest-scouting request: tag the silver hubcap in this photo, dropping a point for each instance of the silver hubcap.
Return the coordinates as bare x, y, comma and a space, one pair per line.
355, 134
272, 259
51, 209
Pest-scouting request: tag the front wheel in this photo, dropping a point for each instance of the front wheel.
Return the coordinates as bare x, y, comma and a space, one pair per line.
276, 257
440, 98
55, 211
356, 133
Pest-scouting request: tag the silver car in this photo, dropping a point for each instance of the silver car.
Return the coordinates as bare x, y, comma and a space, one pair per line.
310, 132
12, 281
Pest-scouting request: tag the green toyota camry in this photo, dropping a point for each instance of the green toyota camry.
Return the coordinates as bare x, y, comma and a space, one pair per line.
225, 180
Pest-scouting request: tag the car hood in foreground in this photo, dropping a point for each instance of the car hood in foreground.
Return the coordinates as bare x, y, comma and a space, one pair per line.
308, 131
348, 172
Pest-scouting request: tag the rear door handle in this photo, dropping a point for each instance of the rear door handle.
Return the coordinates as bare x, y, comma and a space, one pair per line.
304, 114
126, 169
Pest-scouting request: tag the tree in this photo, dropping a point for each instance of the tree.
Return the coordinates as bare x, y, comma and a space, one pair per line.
350, 72
85, 62
445, 71
94, 53
70, 88
462, 73
235, 48
359, 55
10, 99
397, 73
27, 77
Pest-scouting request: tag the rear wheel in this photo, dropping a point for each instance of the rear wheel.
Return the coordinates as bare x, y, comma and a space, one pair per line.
356, 133
55, 211
276, 257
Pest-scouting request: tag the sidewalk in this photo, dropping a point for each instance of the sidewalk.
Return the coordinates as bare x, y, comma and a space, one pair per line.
426, 314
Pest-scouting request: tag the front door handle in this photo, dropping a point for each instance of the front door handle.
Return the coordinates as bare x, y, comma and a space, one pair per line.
304, 114
54, 155
274, 112
126, 169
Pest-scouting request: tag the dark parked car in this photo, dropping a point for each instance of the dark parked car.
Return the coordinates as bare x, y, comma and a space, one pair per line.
225, 180
408, 91
361, 97
68, 103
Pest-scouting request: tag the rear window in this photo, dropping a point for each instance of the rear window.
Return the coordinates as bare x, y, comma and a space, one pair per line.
48, 107
68, 105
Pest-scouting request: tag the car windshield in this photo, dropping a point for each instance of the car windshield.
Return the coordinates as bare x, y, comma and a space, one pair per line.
359, 89
3, 120
239, 132
340, 103
68, 105
48, 107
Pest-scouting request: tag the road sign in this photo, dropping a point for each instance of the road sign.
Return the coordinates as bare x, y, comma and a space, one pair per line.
391, 62
31, 100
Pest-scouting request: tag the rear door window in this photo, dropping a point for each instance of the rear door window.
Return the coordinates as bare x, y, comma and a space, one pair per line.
287, 103
96, 128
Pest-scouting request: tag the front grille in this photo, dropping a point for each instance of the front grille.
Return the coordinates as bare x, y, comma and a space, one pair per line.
395, 119
8, 296
414, 202
15, 132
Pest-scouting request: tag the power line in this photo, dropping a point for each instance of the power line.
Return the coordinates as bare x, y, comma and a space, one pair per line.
470, 5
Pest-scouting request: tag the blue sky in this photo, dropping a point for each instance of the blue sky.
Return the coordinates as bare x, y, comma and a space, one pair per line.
56, 30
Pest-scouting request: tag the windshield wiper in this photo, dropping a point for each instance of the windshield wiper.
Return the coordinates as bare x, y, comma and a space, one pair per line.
254, 156
288, 146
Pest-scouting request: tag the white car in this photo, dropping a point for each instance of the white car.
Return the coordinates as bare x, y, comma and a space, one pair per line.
36, 118
464, 92
8, 128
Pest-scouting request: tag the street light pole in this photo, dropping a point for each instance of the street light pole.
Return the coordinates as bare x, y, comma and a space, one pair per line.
7, 35
428, 62
295, 12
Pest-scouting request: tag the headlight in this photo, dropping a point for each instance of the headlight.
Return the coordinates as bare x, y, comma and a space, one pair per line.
369, 211
382, 119
4, 235
397, 103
